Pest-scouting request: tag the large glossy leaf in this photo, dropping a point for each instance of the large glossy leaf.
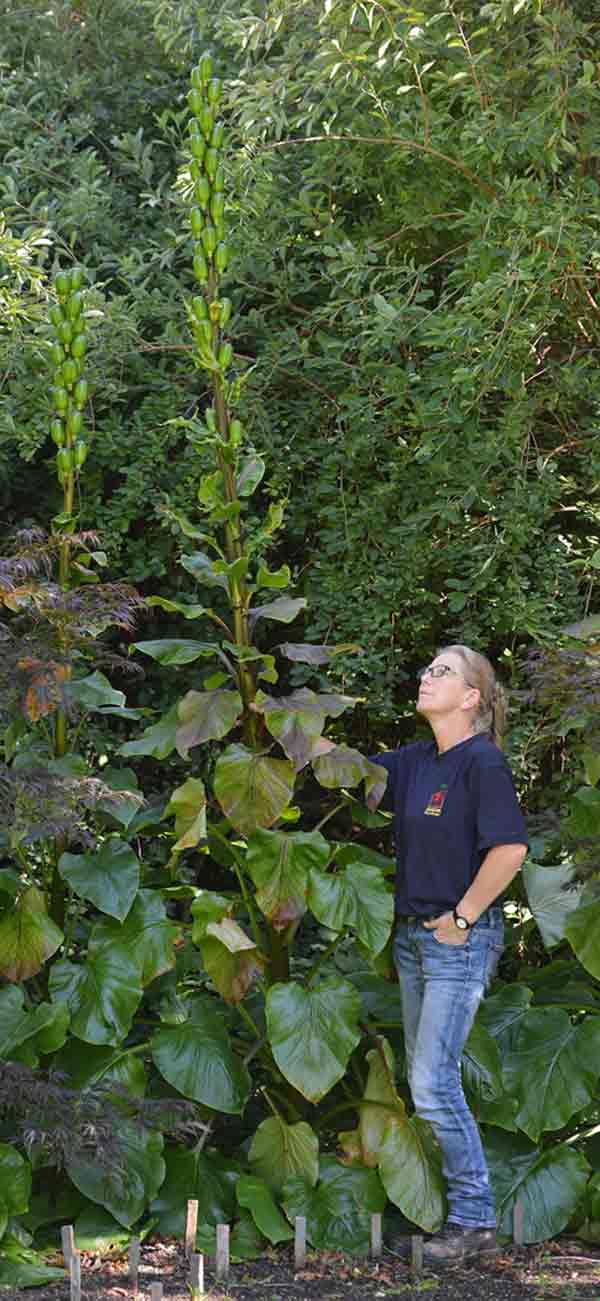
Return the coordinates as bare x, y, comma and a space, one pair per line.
553, 896
338, 1211
198, 1060
109, 879
482, 1068
252, 789
94, 692
381, 1000
548, 1183
208, 1177
188, 804
95, 1230
551, 1066
127, 802
583, 933
356, 898
297, 721
119, 1066
279, 863
501, 1014
124, 1191
15, 1180
279, 1150
26, 1035
206, 716
158, 741
147, 934
28, 937
343, 766
102, 994
312, 1033
174, 651
255, 1196
231, 959
284, 610
308, 653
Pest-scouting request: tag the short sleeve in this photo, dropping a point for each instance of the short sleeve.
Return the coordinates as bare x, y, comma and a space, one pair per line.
499, 820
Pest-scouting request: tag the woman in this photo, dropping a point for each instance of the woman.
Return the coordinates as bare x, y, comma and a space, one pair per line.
460, 839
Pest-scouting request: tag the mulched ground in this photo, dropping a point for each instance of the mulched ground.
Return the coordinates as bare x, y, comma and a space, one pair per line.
565, 1270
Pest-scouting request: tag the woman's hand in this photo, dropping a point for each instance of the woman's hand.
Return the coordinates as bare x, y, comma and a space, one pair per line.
446, 931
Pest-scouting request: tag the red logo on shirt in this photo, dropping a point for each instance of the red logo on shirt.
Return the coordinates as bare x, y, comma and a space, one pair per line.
436, 802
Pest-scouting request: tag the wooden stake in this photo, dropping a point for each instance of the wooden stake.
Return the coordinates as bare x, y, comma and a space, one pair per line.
416, 1253
156, 1292
75, 1276
518, 1224
222, 1258
376, 1236
191, 1226
196, 1275
68, 1243
300, 1242
134, 1263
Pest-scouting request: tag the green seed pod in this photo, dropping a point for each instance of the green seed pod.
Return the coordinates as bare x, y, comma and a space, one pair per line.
81, 393
220, 229
206, 120
75, 306
217, 135
195, 169
213, 313
65, 332
197, 222
57, 354
80, 451
70, 372
64, 463
195, 100
211, 163
218, 180
222, 256
204, 330
209, 240
236, 432
74, 423
57, 432
200, 267
225, 310
217, 207
76, 279
213, 91
202, 192
79, 346
200, 308
60, 398
62, 284
205, 67
56, 315
225, 356
198, 147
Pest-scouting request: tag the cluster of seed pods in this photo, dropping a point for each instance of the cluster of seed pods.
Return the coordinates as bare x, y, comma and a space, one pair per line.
70, 391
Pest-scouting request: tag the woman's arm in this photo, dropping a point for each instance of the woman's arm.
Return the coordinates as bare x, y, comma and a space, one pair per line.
497, 870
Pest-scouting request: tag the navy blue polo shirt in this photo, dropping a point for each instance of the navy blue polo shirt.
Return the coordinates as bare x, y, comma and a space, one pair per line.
449, 809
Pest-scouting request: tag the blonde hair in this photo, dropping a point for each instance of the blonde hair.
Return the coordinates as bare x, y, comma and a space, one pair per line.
479, 673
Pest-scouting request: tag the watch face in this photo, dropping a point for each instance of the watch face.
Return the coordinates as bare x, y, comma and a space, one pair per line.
461, 923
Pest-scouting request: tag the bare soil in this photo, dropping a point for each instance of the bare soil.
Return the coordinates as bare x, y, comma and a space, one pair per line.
565, 1270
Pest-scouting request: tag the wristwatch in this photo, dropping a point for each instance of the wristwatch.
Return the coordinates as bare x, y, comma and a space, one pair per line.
460, 921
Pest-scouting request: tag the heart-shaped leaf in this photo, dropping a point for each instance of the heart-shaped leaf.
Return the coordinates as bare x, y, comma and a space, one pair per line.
188, 803
312, 1033
231, 959
284, 610
255, 1196
28, 937
94, 692
206, 716
343, 766
548, 1183
338, 1211
279, 863
583, 933
297, 721
124, 1190
173, 651
208, 1177
553, 896
158, 741
279, 1150
198, 1060
15, 1180
102, 994
307, 653
357, 898
117, 1066
26, 1035
109, 878
551, 1066
252, 789
147, 934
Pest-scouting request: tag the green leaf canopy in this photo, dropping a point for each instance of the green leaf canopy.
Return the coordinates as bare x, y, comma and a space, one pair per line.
297, 721
198, 1060
208, 1177
338, 1211
252, 789
357, 898
279, 863
552, 1067
28, 937
279, 1150
548, 1183
312, 1033
147, 934
205, 716
102, 993
109, 879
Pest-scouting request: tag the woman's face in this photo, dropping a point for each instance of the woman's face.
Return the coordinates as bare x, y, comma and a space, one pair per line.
449, 693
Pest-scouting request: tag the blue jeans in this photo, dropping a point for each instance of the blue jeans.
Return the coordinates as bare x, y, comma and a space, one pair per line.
442, 986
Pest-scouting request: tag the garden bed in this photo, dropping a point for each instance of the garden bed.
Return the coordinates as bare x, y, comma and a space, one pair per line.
557, 1271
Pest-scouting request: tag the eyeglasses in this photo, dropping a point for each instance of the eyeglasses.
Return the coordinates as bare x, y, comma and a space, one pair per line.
436, 671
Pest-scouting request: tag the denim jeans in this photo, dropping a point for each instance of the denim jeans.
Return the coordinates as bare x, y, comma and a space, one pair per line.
441, 987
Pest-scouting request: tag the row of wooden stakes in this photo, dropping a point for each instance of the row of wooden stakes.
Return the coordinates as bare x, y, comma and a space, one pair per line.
195, 1260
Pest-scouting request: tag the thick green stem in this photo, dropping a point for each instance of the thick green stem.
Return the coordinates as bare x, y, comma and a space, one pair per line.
280, 956
331, 948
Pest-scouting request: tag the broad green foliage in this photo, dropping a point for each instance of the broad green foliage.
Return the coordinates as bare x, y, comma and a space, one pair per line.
338, 1210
